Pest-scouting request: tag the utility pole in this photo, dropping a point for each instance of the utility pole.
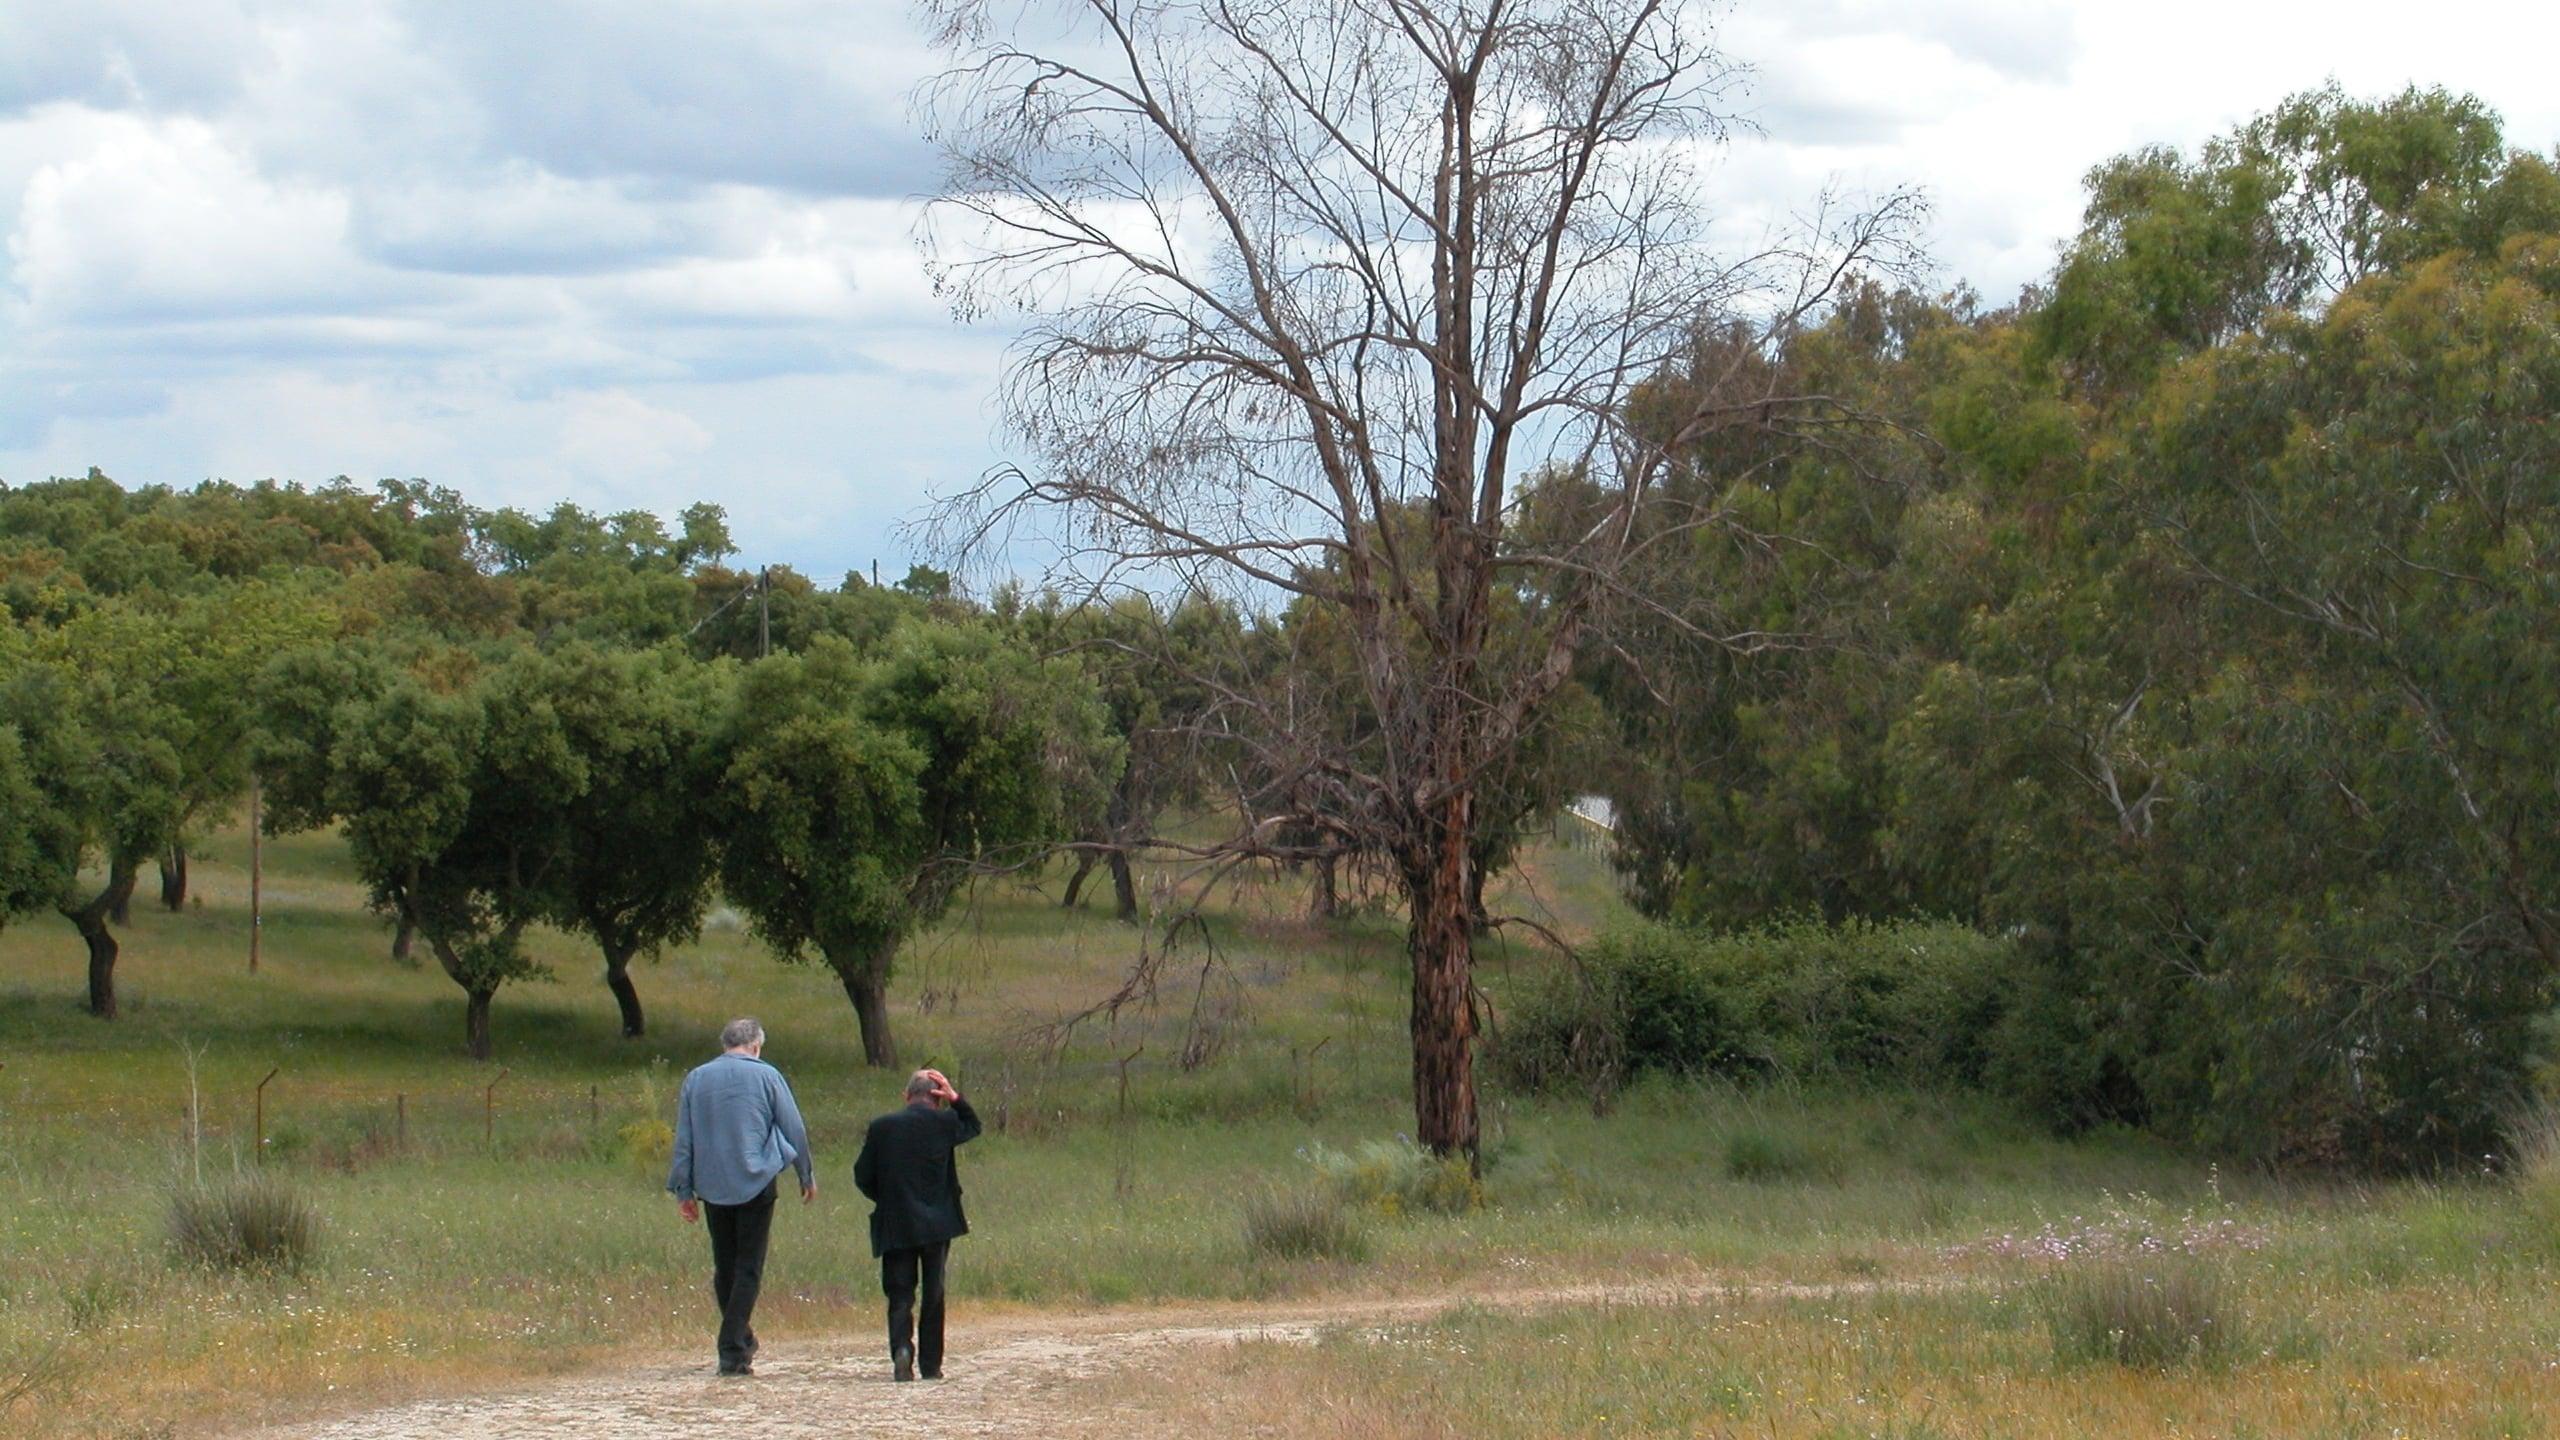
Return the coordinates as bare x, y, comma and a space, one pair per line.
256, 859
764, 610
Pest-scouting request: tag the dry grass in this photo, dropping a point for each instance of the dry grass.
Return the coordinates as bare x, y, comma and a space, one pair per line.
455, 1260
2415, 1362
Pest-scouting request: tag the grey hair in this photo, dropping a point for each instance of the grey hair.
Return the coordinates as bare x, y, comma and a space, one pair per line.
740, 1033
919, 1085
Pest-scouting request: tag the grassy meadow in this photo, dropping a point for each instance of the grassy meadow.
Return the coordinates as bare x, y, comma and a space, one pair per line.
1904, 1265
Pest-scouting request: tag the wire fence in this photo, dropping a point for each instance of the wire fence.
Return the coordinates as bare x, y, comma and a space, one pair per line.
271, 1114
283, 1118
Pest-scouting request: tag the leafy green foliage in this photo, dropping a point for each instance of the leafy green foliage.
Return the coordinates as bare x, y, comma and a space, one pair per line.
1911, 1002
46, 765
860, 794
2206, 660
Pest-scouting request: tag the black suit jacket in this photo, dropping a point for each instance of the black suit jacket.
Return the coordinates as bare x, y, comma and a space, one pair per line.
908, 1171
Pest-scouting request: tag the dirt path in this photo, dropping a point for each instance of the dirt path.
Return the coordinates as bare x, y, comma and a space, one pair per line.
1018, 1375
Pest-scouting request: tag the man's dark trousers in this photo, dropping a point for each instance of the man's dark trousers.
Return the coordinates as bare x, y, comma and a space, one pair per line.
899, 1271
738, 1236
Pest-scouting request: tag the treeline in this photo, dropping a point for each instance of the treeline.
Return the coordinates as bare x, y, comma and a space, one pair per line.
2196, 627
2188, 628
594, 724
571, 721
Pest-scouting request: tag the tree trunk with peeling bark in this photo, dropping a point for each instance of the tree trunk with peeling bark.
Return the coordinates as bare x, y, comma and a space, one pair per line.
1124, 888
1430, 256
1085, 862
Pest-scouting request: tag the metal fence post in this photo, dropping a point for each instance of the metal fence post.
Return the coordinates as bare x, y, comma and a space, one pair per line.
489, 1112
262, 1115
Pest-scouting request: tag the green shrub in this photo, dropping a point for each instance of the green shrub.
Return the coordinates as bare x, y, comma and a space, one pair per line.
1765, 1156
646, 1143
1303, 1223
2151, 1312
252, 1221
1910, 1002
1397, 1177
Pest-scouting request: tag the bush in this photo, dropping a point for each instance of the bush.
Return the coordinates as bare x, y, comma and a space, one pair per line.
1396, 1177
1769, 1155
252, 1221
647, 1143
1307, 1223
2148, 1313
1909, 1002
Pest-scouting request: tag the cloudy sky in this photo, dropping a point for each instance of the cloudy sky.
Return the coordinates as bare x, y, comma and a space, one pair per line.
642, 252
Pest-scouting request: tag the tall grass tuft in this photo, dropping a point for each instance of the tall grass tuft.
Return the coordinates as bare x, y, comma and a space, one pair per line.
252, 1221
1303, 1224
2536, 1175
1399, 1177
1768, 1155
2145, 1312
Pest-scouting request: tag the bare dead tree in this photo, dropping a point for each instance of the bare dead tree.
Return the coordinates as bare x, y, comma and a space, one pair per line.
1315, 292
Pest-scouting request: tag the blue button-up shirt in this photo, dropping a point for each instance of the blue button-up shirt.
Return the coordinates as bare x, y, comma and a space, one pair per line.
736, 1128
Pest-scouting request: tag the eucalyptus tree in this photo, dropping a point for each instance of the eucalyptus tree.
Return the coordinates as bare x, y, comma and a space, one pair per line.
1289, 270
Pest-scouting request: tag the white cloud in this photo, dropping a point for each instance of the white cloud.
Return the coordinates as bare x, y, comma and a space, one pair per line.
651, 251
163, 220
611, 439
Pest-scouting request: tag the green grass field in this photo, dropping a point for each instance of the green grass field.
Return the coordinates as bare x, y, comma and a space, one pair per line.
469, 1243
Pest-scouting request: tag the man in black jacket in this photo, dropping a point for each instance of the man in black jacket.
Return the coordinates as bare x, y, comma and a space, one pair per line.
907, 1170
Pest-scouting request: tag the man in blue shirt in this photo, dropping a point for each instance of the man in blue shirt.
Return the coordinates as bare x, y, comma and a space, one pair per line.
737, 1127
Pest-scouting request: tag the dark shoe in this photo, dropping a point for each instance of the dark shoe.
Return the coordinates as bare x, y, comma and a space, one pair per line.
738, 1372
930, 1374
902, 1362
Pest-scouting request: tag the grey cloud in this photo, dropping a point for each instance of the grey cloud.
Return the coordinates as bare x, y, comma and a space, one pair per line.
119, 52
517, 225
1795, 105
2031, 40
793, 98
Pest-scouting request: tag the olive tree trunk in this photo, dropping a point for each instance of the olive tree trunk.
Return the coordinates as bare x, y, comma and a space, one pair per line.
617, 978
866, 984
475, 1021
92, 918
477, 991
173, 878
